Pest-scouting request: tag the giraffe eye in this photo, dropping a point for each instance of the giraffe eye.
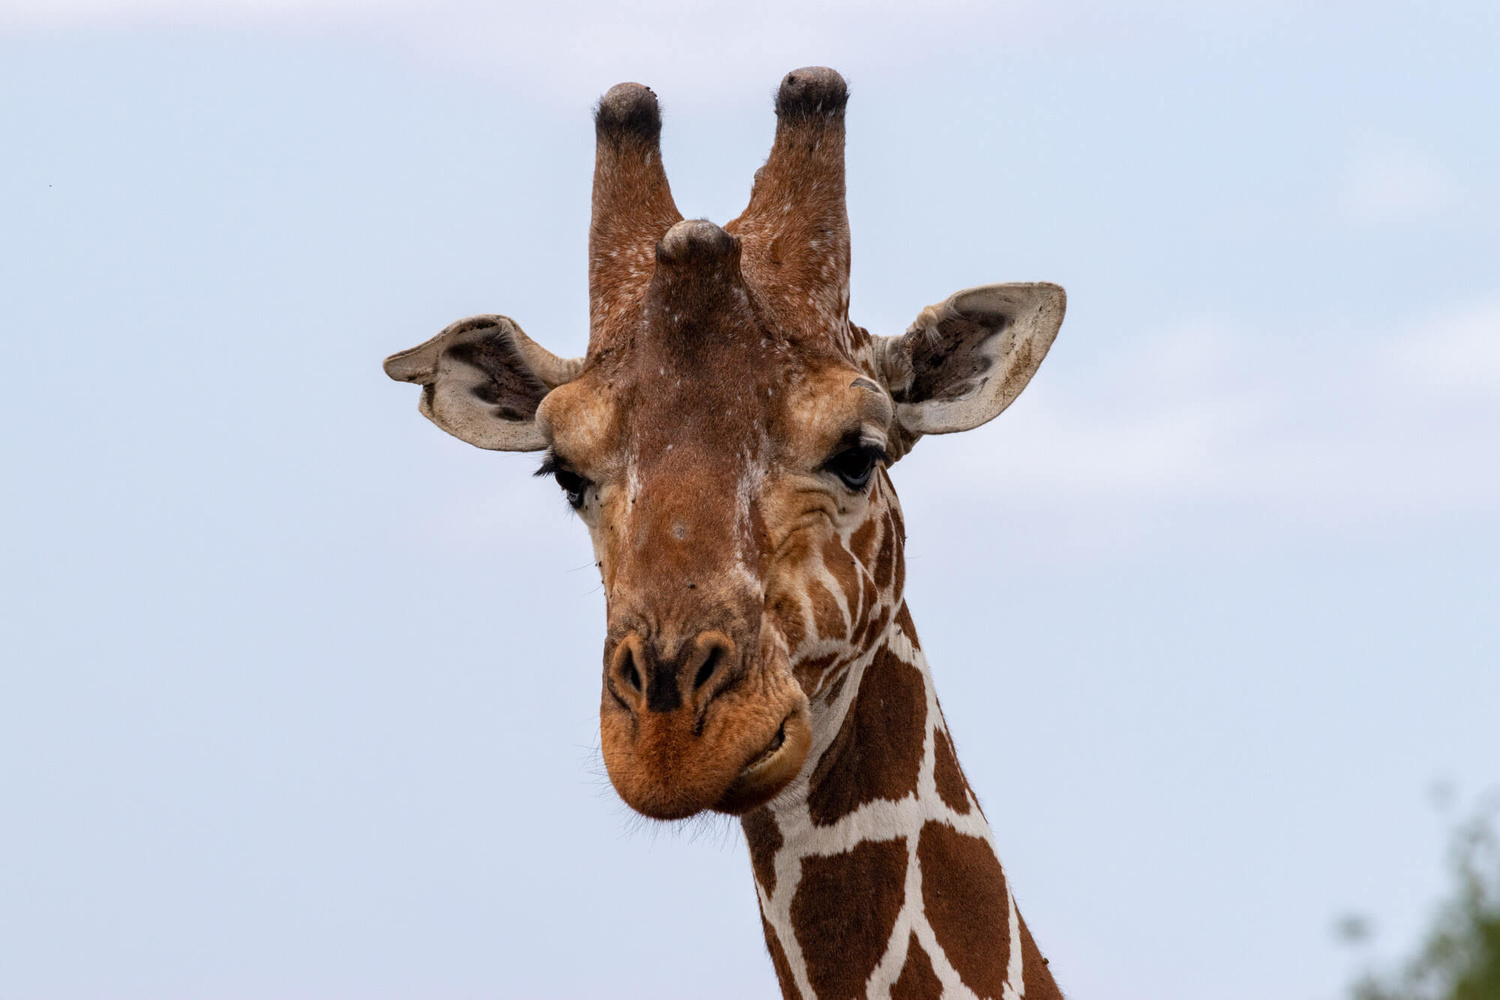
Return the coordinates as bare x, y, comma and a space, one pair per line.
854, 466
573, 486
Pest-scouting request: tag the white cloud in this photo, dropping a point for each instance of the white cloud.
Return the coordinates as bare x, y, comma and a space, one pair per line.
1396, 185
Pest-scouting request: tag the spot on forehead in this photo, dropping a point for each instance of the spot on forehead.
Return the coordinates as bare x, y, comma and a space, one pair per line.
917, 980
964, 895
878, 750
843, 912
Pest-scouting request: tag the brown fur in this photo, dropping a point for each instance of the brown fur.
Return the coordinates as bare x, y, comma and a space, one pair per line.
863, 540
801, 258
908, 627
948, 776
878, 750
917, 980
764, 839
633, 208
963, 890
844, 909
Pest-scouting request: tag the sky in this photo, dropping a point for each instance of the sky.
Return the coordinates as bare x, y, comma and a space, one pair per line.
299, 695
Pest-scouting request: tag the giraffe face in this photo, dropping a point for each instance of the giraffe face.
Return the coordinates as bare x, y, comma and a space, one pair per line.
725, 440
717, 460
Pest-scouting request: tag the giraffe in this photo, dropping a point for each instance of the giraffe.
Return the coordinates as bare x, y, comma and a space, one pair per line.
727, 440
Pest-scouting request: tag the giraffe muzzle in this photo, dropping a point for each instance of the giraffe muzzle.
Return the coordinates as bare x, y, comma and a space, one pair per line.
698, 726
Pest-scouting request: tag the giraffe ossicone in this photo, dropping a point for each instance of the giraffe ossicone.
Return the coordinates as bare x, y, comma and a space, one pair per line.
726, 439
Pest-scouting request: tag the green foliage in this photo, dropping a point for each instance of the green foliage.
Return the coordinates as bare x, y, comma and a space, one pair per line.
1460, 960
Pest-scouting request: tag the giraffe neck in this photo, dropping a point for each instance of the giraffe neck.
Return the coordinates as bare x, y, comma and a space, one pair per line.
876, 869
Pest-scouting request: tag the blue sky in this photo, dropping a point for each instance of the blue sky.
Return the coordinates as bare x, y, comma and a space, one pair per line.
300, 695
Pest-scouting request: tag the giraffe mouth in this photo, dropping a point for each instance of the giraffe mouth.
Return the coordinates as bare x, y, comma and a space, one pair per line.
776, 744
773, 768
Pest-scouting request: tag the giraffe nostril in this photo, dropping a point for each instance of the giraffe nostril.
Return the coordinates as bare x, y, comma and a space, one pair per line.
710, 664
629, 671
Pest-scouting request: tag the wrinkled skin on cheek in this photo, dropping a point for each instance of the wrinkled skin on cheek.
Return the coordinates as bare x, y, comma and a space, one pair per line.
833, 584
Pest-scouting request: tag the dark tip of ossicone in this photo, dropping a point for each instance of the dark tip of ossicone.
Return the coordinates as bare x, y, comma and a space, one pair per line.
811, 90
628, 110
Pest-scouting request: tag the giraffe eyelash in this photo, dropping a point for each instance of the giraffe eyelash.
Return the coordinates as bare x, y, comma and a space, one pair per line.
574, 486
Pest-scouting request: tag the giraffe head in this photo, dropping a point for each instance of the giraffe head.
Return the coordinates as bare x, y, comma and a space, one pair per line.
725, 439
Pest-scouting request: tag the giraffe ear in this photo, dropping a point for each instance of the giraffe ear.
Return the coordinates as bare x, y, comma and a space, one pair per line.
482, 380
967, 358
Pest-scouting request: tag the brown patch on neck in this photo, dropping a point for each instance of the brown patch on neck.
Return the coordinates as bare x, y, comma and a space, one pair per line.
898, 529
908, 627
917, 980
877, 753
764, 838
845, 907
964, 895
873, 629
948, 776
885, 562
